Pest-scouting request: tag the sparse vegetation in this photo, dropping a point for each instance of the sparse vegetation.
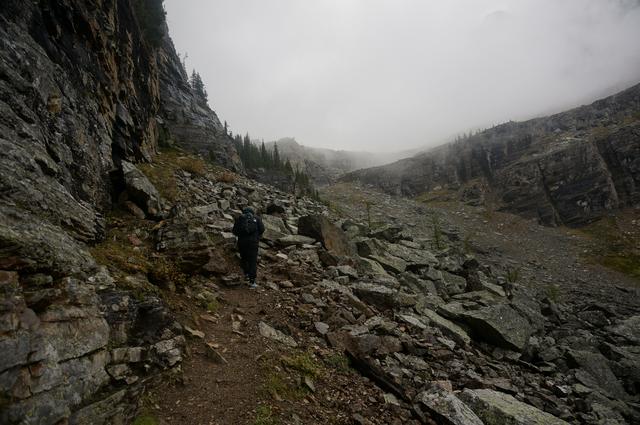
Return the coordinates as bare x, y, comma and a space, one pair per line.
614, 247
467, 243
145, 419
264, 416
193, 165
164, 272
512, 274
213, 306
367, 205
339, 362
437, 233
226, 177
304, 363
553, 292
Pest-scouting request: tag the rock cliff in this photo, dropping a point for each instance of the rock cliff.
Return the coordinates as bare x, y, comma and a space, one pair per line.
569, 168
82, 92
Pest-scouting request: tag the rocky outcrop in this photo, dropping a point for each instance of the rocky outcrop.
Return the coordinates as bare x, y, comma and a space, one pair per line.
187, 120
83, 96
569, 168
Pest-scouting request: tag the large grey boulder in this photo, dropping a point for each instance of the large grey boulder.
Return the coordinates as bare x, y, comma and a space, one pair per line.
274, 228
141, 190
446, 408
321, 229
594, 371
375, 250
495, 408
447, 327
497, 323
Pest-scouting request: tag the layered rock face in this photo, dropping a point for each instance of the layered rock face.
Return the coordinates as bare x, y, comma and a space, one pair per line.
186, 119
82, 96
569, 168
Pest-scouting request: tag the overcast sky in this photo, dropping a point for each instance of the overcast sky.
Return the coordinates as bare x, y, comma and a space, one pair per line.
385, 75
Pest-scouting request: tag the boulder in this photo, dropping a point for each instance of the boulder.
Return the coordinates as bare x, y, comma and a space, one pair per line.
389, 233
383, 297
498, 324
445, 408
628, 329
192, 247
347, 270
141, 191
274, 334
274, 228
321, 229
447, 327
447, 284
595, 372
367, 266
496, 408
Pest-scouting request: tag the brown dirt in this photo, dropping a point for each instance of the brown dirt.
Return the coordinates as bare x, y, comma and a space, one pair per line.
258, 385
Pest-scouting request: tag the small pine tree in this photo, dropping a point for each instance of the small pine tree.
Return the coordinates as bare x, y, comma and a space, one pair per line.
198, 86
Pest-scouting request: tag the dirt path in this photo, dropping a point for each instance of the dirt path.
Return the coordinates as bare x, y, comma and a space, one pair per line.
261, 381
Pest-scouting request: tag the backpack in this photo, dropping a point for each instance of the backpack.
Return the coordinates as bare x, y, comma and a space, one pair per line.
248, 224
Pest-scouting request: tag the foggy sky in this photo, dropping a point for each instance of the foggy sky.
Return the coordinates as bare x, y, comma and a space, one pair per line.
385, 75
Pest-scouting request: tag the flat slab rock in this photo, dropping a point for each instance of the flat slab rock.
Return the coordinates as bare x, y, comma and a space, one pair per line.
496, 408
275, 335
498, 324
446, 408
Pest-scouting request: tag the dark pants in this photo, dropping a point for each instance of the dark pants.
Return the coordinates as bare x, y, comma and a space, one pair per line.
249, 257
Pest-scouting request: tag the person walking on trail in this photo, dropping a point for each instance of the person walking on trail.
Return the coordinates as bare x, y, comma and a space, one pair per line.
248, 228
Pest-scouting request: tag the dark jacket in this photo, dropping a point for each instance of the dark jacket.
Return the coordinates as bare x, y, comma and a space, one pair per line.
255, 237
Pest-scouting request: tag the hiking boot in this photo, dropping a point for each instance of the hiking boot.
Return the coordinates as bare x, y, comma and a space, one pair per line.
252, 284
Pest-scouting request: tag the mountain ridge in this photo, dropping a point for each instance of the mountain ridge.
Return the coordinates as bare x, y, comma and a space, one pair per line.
540, 168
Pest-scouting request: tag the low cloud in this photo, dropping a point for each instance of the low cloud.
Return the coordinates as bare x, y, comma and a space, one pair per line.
397, 74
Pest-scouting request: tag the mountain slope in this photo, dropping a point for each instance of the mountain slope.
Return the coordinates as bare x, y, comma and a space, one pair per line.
325, 165
568, 168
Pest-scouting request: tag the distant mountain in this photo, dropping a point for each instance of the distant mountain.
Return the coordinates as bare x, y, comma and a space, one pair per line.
567, 168
325, 165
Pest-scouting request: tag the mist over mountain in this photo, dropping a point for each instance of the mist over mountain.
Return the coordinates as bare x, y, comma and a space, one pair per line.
324, 165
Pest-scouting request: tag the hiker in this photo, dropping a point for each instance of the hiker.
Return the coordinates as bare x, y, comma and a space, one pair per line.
248, 228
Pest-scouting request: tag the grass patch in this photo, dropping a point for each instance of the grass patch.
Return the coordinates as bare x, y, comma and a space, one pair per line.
117, 252
162, 172
226, 177
304, 363
164, 272
193, 165
553, 292
145, 419
339, 362
512, 274
278, 385
264, 416
213, 306
613, 247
